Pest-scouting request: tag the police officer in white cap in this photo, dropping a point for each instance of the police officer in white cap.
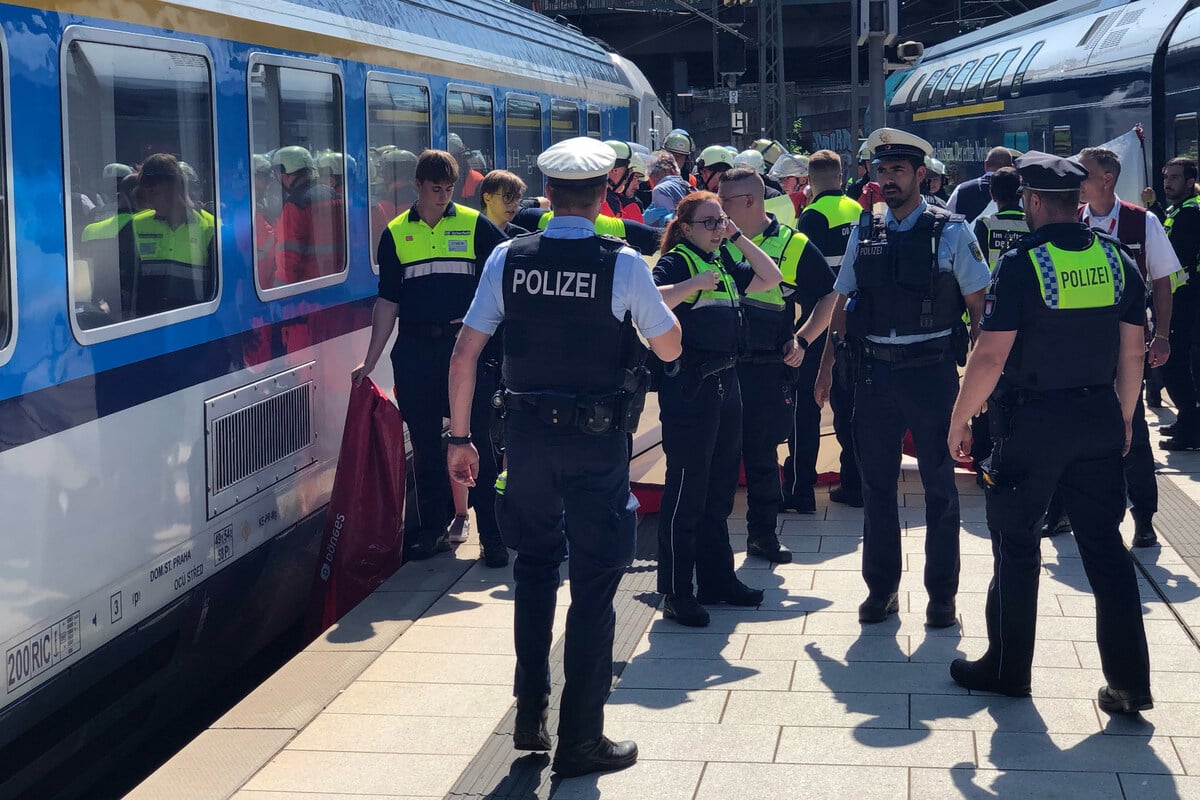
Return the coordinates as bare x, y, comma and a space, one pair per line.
569, 300
906, 279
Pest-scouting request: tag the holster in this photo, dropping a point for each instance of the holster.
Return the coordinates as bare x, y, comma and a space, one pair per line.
847, 365
960, 343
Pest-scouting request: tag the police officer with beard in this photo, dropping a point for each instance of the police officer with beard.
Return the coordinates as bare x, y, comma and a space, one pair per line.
574, 383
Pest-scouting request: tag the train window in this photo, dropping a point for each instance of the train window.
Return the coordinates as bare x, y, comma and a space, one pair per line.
634, 118
593, 122
144, 243
1187, 135
470, 138
1062, 141
939, 91
923, 100
954, 93
397, 132
564, 120
911, 101
971, 90
6, 289
300, 209
523, 130
1019, 75
991, 89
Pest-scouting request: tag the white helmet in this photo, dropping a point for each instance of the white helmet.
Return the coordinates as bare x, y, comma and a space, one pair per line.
712, 155
751, 159
790, 166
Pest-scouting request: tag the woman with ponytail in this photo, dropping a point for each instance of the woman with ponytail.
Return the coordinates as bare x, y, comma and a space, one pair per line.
700, 405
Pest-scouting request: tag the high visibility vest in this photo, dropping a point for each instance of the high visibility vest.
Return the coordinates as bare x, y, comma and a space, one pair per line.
841, 214
172, 265
1004, 228
783, 208
785, 247
725, 295
1177, 278
605, 226
448, 248
1069, 279
106, 228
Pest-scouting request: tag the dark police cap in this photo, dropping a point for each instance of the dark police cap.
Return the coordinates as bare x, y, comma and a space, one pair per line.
1043, 172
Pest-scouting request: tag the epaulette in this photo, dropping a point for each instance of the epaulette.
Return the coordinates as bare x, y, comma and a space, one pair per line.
957, 218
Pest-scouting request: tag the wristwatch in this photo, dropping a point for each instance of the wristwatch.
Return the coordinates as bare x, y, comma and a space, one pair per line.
459, 440
801, 342
736, 235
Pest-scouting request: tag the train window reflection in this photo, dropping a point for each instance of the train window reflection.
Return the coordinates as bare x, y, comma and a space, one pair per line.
991, 89
971, 90
939, 92
523, 131
142, 233
593, 122
1022, 68
911, 101
300, 170
954, 94
1062, 141
397, 132
1187, 135
564, 120
923, 100
470, 138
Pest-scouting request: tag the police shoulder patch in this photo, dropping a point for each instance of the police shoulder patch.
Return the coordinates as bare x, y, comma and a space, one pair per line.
989, 304
976, 251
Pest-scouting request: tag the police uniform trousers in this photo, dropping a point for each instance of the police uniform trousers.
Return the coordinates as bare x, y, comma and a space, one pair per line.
804, 436
483, 494
888, 399
1070, 439
1180, 373
841, 402
557, 475
767, 392
702, 439
1140, 484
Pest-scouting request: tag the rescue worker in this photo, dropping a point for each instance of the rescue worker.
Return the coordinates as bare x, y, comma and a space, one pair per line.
397, 168
266, 213
1145, 238
668, 190
827, 222
791, 174
110, 177
712, 161
469, 177
679, 144
775, 375
935, 182
430, 259
905, 280
1063, 320
100, 246
616, 201
310, 238
500, 194
771, 151
700, 405
1182, 372
637, 188
863, 189
569, 300
331, 169
971, 197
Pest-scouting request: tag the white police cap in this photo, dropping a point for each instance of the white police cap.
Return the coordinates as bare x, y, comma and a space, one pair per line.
892, 143
581, 161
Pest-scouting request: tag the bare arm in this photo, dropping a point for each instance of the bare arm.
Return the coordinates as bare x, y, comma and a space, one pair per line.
837, 328
675, 293
383, 322
1160, 348
974, 302
668, 346
1129, 373
463, 460
811, 330
983, 371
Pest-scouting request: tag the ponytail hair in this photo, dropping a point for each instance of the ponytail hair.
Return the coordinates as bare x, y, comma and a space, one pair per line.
685, 212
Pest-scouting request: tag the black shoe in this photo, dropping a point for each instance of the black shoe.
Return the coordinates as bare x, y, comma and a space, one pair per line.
1168, 430
495, 554
847, 498
1119, 701
684, 609
594, 755
1144, 534
427, 546
1154, 400
878, 609
769, 548
529, 732
940, 614
980, 676
1054, 528
804, 502
735, 594
1180, 444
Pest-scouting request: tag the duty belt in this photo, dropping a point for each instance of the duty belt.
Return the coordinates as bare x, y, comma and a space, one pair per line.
765, 357
917, 353
589, 413
1021, 396
419, 331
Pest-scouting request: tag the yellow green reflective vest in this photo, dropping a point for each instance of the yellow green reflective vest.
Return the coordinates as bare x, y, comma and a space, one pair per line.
786, 247
726, 293
605, 225
106, 228
1004, 229
839, 211
1070, 279
1177, 278
172, 252
447, 248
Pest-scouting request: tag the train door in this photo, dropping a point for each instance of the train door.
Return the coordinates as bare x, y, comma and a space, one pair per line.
1182, 88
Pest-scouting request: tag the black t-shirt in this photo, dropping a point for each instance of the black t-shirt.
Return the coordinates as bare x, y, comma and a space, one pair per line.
814, 280
1185, 238
1015, 293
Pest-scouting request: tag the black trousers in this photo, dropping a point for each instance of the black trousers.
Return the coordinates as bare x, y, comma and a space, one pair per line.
804, 438
1140, 484
887, 401
483, 494
841, 402
1180, 372
1074, 443
767, 396
702, 439
557, 474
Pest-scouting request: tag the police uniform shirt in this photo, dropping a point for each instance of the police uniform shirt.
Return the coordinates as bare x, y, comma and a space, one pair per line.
441, 307
958, 253
1015, 290
633, 290
813, 277
1161, 260
639, 236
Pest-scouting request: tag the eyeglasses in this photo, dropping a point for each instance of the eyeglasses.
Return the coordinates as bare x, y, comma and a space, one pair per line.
727, 198
512, 197
711, 224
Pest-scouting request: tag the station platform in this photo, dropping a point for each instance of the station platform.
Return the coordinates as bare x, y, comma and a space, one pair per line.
409, 696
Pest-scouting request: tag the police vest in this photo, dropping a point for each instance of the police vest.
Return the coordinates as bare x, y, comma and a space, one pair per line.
173, 268
1004, 228
711, 319
605, 226
437, 262
1177, 278
901, 286
560, 334
840, 214
768, 323
1073, 338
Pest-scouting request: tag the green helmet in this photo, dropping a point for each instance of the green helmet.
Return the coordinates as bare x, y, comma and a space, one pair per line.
751, 159
637, 164
680, 142
116, 171
712, 156
770, 149
935, 167
293, 159
260, 164
399, 157
454, 144
332, 163
623, 151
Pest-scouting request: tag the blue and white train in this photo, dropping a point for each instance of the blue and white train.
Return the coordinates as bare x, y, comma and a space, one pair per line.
163, 475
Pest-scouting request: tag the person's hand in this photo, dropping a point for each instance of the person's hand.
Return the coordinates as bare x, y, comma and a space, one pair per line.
462, 461
1128, 437
822, 386
730, 228
705, 281
793, 354
361, 371
1160, 351
1149, 196
959, 440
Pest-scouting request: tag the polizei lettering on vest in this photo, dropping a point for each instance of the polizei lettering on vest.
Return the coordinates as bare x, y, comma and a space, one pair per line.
1087, 276
557, 284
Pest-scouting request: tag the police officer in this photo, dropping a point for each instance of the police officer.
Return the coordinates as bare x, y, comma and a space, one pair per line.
700, 405
827, 222
430, 258
1182, 372
569, 300
906, 277
1062, 321
774, 372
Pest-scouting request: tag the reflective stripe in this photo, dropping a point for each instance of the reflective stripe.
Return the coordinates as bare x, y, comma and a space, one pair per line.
448, 248
311, 249
834, 261
170, 269
726, 295
439, 267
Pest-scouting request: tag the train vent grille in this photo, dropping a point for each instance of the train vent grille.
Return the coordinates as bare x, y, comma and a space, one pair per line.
259, 435
1112, 39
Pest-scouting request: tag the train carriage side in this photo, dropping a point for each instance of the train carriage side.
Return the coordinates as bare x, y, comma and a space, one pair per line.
164, 468
1181, 88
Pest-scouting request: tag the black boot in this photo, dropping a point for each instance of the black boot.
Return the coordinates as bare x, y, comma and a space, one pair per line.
847, 498
684, 609
426, 545
530, 732
982, 676
768, 548
593, 755
877, 608
495, 554
1053, 528
735, 594
1119, 701
1144, 534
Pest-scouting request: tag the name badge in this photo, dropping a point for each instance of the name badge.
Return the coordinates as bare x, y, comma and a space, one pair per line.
456, 246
